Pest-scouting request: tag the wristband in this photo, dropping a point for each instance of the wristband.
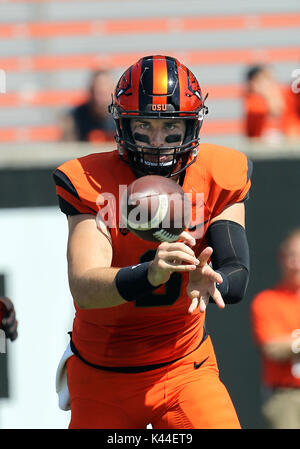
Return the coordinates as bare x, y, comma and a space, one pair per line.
132, 282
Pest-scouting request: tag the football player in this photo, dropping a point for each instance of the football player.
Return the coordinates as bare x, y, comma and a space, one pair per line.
139, 352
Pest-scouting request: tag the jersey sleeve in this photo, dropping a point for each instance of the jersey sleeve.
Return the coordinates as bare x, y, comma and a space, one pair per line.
70, 202
229, 175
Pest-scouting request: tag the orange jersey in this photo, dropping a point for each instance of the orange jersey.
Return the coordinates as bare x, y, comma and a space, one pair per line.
158, 329
275, 314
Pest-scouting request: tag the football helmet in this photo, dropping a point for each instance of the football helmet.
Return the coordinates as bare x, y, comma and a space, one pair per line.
158, 87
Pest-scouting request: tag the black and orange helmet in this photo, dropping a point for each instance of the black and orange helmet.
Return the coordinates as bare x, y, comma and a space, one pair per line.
158, 87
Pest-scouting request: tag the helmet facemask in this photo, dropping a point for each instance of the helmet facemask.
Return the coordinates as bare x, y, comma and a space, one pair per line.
168, 160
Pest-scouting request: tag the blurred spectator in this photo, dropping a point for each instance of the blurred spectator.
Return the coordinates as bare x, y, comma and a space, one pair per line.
275, 317
90, 121
291, 120
271, 111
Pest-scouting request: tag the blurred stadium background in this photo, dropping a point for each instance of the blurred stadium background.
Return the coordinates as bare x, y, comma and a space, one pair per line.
47, 51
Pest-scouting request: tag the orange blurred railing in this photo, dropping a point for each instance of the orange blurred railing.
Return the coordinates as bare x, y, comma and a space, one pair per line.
119, 60
148, 25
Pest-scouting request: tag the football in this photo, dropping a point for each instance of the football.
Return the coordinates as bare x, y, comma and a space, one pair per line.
155, 208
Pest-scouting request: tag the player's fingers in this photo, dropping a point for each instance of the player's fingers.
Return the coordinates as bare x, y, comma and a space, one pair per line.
14, 336
204, 300
7, 303
180, 256
211, 274
174, 266
187, 238
194, 305
11, 331
9, 320
205, 255
199, 302
177, 246
217, 297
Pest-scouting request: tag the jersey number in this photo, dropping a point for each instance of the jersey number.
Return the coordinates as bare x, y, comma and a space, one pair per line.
172, 288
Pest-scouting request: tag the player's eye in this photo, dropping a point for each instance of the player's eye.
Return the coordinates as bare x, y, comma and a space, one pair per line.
170, 126
144, 125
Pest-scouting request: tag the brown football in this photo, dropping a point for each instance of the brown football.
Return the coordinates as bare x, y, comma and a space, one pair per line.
155, 208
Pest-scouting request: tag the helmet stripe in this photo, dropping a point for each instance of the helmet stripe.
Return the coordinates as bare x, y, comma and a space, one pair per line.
174, 98
160, 80
146, 82
134, 73
183, 73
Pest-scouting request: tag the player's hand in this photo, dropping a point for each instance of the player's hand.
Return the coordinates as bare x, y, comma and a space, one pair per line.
170, 257
9, 323
202, 284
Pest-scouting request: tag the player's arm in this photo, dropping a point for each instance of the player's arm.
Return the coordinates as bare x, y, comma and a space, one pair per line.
94, 283
230, 257
228, 250
91, 277
235, 212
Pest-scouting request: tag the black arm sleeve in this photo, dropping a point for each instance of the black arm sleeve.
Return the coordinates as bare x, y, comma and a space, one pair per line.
230, 258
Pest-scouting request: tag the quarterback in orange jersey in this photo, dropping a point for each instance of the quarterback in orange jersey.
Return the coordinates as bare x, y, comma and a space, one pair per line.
139, 352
